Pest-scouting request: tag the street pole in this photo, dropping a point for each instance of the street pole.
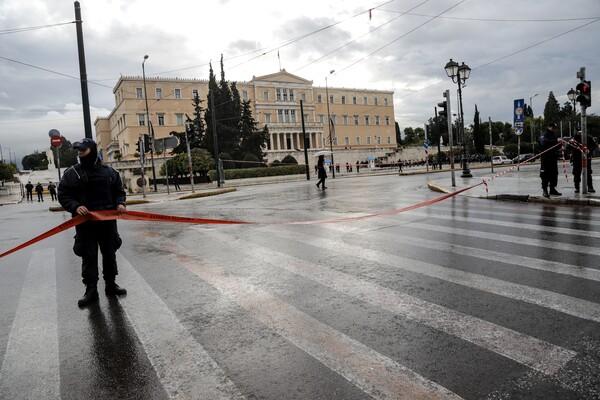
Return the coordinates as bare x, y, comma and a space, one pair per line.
141, 150
150, 133
492, 143
85, 100
215, 138
188, 126
165, 161
450, 137
329, 123
304, 141
466, 172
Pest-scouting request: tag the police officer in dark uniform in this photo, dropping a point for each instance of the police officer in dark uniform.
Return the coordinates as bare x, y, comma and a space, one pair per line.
90, 186
576, 160
549, 161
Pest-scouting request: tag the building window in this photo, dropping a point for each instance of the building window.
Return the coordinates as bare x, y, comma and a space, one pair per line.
330, 99
303, 96
179, 119
389, 140
387, 120
321, 118
376, 101
141, 119
357, 140
267, 118
343, 99
161, 119
278, 92
365, 100
367, 120
377, 120
356, 120
334, 119
368, 139
319, 98
345, 119
279, 116
195, 93
158, 93
285, 95
291, 94
266, 95
385, 101
177, 94
139, 94
286, 114
378, 139
293, 116
245, 95
347, 141
305, 118
353, 99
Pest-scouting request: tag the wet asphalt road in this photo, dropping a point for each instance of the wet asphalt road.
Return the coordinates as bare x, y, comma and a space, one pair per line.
465, 298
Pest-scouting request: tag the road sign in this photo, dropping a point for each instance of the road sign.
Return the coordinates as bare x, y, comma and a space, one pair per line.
55, 140
53, 132
518, 131
426, 144
519, 113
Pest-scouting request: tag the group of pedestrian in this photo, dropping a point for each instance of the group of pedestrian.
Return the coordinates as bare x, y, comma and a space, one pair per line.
39, 191
549, 157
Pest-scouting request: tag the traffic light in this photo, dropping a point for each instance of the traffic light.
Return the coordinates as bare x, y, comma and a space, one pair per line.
443, 111
584, 93
147, 143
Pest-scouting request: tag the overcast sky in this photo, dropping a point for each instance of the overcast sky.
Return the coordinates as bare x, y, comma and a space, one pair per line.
516, 49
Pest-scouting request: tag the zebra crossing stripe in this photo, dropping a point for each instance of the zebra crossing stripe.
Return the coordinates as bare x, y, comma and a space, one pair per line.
554, 301
534, 353
522, 261
375, 374
30, 369
184, 368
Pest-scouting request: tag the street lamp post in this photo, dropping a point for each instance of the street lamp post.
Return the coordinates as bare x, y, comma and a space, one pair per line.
329, 124
459, 74
532, 121
572, 95
150, 133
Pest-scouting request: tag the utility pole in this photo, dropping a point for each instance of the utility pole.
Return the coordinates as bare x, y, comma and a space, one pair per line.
583, 98
85, 101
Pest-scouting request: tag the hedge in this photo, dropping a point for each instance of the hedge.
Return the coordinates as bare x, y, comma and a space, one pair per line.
259, 172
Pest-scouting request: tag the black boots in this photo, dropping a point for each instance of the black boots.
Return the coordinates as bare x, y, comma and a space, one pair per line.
553, 192
576, 188
91, 293
591, 189
545, 193
112, 289
90, 296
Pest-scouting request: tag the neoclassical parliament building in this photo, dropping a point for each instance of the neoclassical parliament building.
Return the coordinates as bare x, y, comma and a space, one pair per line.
363, 119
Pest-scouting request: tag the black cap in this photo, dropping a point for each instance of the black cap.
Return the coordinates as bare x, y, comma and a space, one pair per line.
85, 143
552, 125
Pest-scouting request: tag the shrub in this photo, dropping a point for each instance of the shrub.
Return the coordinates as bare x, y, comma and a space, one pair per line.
260, 172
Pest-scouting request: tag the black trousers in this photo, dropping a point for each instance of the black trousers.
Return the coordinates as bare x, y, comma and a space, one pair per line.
577, 174
89, 236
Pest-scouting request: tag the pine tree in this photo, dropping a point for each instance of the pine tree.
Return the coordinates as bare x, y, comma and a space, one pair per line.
552, 109
251, 140
478, 136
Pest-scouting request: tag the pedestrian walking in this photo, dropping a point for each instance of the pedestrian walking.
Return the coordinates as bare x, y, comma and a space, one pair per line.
321, 173
549, 161
357, 167
29, 191
52, 190
175, 181
576, 161
90, 186
39, 190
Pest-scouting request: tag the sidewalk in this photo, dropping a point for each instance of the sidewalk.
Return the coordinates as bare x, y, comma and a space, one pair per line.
523, 185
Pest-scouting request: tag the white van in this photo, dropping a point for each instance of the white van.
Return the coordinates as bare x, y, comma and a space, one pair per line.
497, 160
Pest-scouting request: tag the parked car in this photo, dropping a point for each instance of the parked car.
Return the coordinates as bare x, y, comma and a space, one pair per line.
498, 160
523, 157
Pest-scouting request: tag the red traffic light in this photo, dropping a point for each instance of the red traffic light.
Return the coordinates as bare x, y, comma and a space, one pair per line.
584, 93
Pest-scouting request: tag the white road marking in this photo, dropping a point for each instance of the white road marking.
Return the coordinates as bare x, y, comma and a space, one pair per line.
30, 369
183, 366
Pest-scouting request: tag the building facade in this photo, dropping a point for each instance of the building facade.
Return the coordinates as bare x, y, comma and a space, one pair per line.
363, 119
